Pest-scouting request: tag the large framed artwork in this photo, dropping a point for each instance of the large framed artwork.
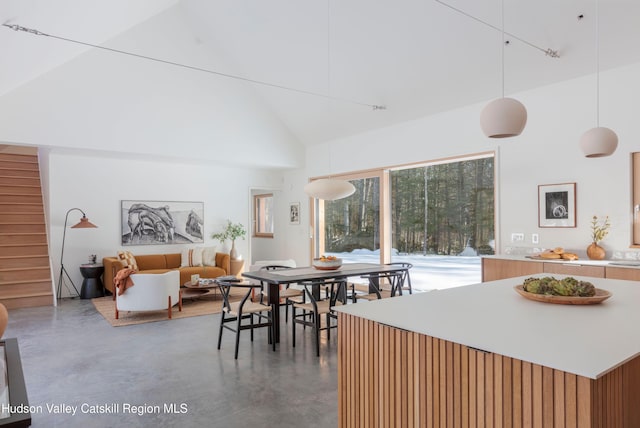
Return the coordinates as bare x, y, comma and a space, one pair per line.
160, 222
557, 205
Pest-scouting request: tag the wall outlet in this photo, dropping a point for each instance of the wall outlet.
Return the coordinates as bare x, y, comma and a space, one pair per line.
517, 237
535, 239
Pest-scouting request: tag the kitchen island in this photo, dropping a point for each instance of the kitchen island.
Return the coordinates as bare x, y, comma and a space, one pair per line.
482, 355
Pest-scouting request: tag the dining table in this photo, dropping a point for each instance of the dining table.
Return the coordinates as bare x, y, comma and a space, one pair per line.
273, 279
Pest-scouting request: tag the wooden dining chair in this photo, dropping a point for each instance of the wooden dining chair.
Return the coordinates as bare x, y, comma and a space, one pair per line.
289, 294
315, 307
234, 312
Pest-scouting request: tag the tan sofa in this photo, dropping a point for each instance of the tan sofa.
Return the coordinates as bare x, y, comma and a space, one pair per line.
160, 263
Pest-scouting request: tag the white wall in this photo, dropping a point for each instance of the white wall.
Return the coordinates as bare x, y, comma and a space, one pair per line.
546, 153
297, 245
287, 237
98, 184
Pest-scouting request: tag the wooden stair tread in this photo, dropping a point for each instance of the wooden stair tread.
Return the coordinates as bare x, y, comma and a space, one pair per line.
22, 185
15, 157
32, 166
21, 233
3, 193
23, 281
28, 159
20, 203
39, 223
22, 256
27, 294
18, 269
23, 245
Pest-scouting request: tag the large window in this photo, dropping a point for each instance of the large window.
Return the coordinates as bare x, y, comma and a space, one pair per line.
444, 209
351, 226
439, 216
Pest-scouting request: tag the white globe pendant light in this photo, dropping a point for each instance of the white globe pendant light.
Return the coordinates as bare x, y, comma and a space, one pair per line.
329, 189
599, 141
503, 118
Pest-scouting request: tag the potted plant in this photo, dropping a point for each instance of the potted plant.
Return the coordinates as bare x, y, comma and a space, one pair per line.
599, 230
231, 231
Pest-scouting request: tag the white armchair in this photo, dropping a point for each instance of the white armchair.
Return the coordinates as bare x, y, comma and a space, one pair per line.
151, 292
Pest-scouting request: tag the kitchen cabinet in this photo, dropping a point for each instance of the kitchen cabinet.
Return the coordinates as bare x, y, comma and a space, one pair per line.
574, 269
493, 268
631, 274
501, 267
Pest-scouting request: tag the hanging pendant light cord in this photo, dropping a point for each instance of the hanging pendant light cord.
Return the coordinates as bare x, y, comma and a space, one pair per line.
329, 69
329, 47
597, 63
502, 54
190, 67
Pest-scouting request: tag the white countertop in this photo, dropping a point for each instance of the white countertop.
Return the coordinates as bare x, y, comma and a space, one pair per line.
587, 340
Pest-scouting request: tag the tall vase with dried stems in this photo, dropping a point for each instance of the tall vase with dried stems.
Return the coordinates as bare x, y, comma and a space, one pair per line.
595, 251
231, 231
599, 230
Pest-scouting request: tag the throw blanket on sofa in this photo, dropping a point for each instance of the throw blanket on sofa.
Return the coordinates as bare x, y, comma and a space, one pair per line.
122, 281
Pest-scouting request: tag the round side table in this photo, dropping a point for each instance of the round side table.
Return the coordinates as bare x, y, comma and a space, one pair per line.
91, 284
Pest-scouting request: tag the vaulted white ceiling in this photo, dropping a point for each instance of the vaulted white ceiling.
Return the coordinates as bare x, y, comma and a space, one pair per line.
416, 57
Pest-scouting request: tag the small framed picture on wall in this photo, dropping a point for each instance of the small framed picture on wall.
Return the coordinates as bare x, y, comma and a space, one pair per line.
294, 213
557, 205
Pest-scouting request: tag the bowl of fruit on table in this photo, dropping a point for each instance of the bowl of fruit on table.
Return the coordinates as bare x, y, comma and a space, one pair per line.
327, 263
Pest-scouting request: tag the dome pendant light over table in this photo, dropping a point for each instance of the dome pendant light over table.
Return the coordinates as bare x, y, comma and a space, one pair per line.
599, 141
503, 118
329, 189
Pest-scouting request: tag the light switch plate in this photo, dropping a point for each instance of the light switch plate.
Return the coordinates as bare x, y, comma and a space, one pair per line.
517, 237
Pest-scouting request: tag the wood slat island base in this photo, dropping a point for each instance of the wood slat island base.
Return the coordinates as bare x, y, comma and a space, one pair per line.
389, 377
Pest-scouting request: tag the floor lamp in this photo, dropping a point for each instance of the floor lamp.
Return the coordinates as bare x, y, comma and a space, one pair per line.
84, 223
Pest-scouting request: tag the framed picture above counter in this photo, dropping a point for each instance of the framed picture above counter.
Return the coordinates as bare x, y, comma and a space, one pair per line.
557, 205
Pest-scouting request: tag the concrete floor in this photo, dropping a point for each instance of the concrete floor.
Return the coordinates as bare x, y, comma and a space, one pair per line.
72, 356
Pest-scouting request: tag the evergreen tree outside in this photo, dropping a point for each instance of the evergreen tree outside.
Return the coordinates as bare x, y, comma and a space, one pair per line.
437, 209
443, 209
352, 223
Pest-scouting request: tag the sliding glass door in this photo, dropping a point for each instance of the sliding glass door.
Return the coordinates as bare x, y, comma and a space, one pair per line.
438, 216
443, 220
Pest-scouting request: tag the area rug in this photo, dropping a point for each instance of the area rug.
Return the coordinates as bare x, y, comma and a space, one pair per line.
190, 308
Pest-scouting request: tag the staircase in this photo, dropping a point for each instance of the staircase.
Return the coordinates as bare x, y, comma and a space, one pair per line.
25, 275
